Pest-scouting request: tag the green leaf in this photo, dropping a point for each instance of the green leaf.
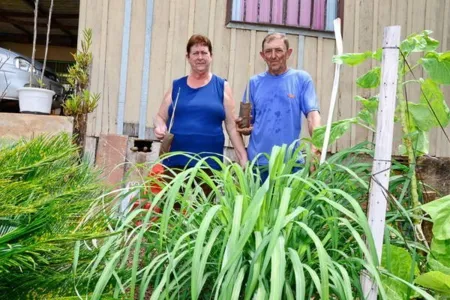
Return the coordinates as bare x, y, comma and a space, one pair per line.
437, 65
377, 55
440, 250
352, 59
436, 265
366, 117
436, 281
371, 104
433, 96
439, 211
419, 42
422, 116
402, 150
400, 262
337, 130
420, 143
371, 79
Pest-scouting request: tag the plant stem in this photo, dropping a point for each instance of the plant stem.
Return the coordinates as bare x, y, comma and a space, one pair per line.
47, 41
36, 5
409, 147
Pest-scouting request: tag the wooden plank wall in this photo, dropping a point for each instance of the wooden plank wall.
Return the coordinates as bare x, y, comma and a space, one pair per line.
236, 53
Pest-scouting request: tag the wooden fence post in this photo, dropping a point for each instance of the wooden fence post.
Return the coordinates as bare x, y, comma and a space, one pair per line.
383, 148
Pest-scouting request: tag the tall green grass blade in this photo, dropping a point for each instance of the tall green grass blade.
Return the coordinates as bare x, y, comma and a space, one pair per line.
323, 261
278, 269
300, 282
196, 282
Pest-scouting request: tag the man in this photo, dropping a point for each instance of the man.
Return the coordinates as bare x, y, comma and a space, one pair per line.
278, 96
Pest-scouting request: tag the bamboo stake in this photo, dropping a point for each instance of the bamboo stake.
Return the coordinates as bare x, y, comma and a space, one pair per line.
337, 71
383, 151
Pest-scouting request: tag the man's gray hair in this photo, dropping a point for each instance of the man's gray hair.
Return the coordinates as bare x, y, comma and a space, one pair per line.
273, 36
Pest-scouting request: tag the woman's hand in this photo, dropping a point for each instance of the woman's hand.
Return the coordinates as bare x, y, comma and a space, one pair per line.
160, 120
160, 131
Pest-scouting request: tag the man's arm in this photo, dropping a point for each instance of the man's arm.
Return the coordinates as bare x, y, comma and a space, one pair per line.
313, 119
230, 125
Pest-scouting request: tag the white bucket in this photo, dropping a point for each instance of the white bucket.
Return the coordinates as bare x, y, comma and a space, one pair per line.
35, 100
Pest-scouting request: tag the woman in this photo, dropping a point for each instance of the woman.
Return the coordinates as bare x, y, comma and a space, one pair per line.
204, 102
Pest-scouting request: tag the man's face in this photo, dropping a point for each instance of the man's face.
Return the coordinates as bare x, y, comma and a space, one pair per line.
276, 55
199, 58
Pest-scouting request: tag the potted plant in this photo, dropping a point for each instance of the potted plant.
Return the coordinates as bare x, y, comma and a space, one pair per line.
35, 98
81, 101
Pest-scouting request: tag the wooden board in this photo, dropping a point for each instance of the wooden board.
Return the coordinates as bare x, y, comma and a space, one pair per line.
158, 62
135, 61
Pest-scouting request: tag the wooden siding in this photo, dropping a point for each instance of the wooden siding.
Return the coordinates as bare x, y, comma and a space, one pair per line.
236, 53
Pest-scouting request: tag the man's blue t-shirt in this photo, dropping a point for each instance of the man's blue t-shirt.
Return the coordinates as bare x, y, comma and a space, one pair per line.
277, 104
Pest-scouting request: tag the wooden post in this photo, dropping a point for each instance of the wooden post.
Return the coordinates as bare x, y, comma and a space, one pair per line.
383, 148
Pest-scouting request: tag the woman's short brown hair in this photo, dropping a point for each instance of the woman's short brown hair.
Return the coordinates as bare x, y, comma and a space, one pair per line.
198, 39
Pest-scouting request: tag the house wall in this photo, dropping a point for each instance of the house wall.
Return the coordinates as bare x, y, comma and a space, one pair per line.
236, 53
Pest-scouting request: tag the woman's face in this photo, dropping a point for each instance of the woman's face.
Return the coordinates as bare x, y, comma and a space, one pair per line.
199, 58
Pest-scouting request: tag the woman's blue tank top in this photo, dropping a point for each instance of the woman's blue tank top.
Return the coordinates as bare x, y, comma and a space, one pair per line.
197, 126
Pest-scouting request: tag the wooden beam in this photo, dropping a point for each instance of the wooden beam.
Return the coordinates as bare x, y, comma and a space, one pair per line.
19, 14
55, 40
31, 23
55, 22
17, 25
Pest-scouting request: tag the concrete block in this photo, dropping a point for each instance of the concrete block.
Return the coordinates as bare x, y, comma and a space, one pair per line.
138, 162
90, 149
14, 126
111, 156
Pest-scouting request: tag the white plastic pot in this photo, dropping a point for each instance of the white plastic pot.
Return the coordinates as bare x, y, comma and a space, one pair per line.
35, 100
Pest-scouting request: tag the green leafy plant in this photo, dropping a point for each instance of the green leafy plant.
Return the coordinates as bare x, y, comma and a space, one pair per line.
398, 261
82, 101
45, 192
438, 277
417, 114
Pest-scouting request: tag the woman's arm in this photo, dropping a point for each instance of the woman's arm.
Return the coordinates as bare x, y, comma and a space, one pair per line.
230, 125
160, 120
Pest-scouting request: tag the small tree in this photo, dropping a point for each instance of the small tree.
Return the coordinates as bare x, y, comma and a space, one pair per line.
81, 101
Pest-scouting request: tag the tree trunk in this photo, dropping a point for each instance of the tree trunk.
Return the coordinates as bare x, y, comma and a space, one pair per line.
80, 127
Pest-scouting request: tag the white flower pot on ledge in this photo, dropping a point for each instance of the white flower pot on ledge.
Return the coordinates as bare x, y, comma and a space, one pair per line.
35, 100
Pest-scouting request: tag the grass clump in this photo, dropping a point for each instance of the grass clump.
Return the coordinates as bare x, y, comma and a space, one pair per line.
294, 236
45, 191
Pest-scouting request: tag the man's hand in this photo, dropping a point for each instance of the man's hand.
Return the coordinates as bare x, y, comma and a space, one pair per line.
240, 127
160, 131
315, 159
